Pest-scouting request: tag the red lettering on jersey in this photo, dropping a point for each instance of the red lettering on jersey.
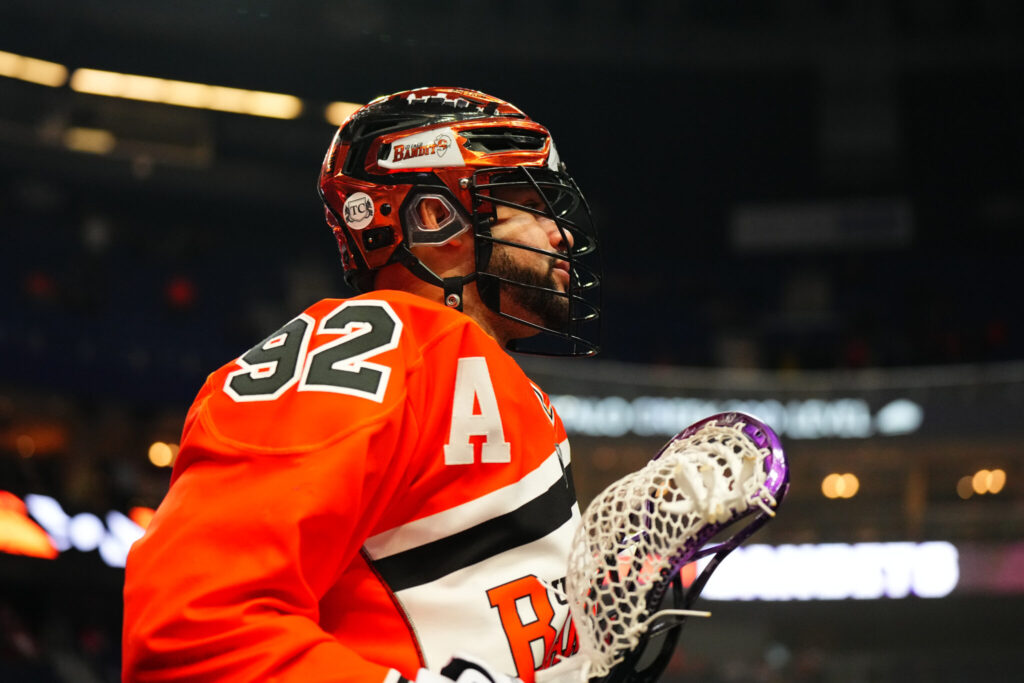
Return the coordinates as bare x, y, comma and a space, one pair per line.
519, 633
564, 646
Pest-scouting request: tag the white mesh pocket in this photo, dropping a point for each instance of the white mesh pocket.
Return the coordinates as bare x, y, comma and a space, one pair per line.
634, 535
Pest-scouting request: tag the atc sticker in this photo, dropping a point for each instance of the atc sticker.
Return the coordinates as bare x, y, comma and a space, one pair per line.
358, 210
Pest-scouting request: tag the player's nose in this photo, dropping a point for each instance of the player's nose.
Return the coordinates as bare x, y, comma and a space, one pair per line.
560, 238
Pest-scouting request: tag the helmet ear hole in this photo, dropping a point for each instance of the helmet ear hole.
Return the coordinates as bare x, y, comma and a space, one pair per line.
432, 213
432, 218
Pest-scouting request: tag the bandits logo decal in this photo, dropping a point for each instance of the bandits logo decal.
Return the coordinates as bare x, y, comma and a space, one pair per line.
427, 149
440, 145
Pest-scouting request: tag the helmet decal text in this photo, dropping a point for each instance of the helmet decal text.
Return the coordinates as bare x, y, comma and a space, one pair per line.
358, 210
430, 148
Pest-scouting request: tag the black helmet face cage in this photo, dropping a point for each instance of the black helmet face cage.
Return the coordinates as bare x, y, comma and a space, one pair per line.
577, 332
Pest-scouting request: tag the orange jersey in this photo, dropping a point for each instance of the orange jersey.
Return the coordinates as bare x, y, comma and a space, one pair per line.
373, 488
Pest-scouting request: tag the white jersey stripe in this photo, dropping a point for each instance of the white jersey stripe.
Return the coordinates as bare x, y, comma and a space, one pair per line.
454, 520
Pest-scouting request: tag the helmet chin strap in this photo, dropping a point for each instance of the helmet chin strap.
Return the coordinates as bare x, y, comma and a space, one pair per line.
451, 286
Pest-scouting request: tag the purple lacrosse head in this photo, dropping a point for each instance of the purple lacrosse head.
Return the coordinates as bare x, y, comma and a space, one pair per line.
776, 483
762, 435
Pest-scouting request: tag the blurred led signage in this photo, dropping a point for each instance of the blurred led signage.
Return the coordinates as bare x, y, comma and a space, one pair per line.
19, 535
836, 571
831, 571
111, 536
842, 418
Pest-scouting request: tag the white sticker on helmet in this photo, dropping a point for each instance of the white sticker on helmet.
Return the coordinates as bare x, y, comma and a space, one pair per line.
554, 162
358, 210
429, 149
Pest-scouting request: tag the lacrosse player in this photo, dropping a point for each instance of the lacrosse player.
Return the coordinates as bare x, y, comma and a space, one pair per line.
376, 492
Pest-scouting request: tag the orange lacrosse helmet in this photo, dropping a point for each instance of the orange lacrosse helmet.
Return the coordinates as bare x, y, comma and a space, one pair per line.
457, 148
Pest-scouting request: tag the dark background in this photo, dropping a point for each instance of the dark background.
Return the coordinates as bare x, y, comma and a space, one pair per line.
703, 132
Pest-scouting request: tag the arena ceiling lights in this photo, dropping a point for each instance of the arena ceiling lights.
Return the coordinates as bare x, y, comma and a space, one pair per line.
337, 112
165, 91
32, 70
186, 94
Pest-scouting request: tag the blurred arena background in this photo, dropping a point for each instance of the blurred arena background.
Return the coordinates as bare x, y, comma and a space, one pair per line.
807, 212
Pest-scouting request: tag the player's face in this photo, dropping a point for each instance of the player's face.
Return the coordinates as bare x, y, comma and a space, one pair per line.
536, 270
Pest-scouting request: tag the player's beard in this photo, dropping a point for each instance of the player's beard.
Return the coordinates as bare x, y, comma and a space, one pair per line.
550, 310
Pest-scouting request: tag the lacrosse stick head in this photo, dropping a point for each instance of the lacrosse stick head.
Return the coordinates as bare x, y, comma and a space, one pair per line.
639, 533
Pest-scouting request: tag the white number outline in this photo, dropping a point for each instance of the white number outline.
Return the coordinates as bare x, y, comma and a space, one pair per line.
357, 362
252, 370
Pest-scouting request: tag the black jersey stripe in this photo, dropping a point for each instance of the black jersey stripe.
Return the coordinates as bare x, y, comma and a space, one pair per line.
531, 521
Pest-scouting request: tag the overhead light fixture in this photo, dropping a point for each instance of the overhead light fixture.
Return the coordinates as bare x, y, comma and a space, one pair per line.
33, 70
163, 454
337, 112
988, 481
186, 94
92, 140
838, 485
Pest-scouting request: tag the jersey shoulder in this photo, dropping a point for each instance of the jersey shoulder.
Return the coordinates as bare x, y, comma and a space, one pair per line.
339, 366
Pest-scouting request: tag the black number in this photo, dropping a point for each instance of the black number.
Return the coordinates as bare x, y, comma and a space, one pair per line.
341, 366
270, 367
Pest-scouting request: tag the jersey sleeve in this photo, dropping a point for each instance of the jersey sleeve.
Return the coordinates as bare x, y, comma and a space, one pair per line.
267, 508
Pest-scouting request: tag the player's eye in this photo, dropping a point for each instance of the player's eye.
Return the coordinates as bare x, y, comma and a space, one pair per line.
534, 203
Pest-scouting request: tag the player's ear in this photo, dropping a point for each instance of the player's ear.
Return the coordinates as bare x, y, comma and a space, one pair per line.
432, 214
